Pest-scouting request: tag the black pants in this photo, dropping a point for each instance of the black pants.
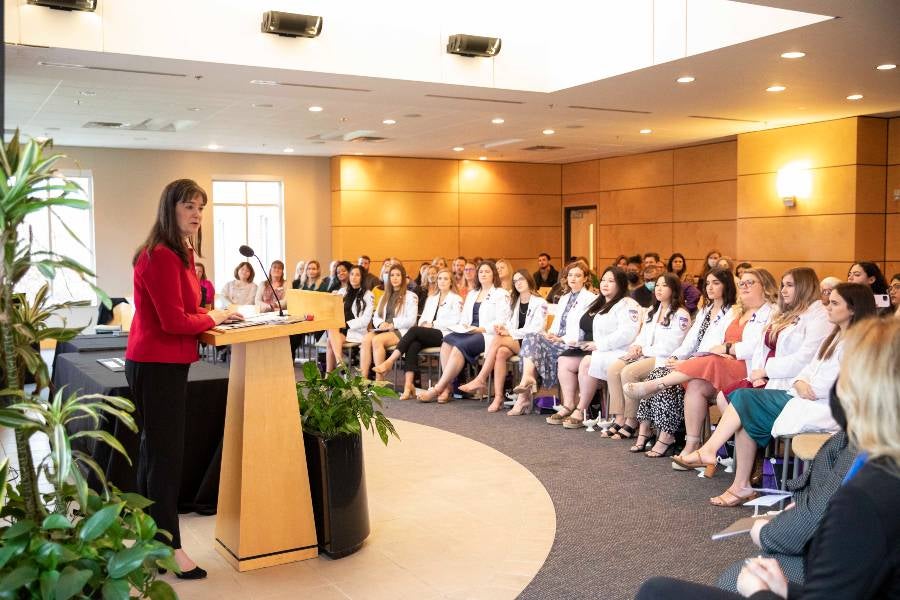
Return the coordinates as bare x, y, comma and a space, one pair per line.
159, 392
414, 340
666, 588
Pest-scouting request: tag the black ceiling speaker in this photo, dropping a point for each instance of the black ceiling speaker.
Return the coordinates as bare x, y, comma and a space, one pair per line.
291, 25
85, 5
473, 45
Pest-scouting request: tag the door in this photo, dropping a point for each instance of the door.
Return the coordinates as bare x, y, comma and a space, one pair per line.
581, 233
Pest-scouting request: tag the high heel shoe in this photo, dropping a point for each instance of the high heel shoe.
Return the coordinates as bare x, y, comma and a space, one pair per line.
475, 387
429, 395
381, 368
496, 405
195, 573
709, 470
408, 393
669, 449
524, 405
641, 389
638, 444
526, 387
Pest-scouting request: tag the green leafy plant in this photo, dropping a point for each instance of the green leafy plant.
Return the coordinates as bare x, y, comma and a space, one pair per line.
47, 549
342, 403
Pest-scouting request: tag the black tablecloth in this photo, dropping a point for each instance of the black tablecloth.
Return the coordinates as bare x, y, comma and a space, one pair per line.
207, 394
103, 342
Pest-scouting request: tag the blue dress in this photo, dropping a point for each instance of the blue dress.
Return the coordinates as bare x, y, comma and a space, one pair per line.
470, 344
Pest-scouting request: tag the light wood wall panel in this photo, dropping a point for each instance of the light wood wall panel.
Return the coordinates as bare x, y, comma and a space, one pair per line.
696, 239
380, 242
638, 205
826, 144
893, 183
833, 191
485, 177
515, 243
800, 239
893, 154
395, 174
870, 185
581, 177
871, 141
710, 162
509, 209
870, 238
634, 239
822, 268
711, 201
636, 171
585, 199
360, 208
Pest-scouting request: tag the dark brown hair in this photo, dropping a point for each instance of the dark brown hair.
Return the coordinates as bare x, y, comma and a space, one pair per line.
391, 295
496, 280
514, 295
249, 266
165, 230
673, 282
861, 301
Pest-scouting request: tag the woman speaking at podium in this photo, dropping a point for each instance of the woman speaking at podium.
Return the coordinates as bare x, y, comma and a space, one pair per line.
162, 344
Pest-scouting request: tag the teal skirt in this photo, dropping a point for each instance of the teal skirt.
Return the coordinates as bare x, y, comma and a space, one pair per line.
758, 410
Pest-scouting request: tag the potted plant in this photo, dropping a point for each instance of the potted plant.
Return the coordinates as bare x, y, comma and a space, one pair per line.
334, 408
48, 549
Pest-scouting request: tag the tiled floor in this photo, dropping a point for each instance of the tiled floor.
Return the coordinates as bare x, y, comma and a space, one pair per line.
451, 518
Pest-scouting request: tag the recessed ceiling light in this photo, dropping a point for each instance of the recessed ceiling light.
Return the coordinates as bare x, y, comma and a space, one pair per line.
795, 54
194, 109
548, 132
288, 150
886, 67
458, 148
498, 121
389, 122
88, 93
855, 97
213, 146
482, 158
685, 79
315, 109
646, 131
263, 82
776, 88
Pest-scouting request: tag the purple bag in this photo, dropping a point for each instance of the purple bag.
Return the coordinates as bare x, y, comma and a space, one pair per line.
545, 404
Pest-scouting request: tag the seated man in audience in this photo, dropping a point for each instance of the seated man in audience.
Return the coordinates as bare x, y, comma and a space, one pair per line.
651, 259
633, 272
644, 293
370, 280
546, 275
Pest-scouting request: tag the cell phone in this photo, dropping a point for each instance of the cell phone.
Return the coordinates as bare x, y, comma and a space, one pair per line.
882, 301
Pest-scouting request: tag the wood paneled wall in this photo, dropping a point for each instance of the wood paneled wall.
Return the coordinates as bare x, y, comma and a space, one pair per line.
843, 219
681, 200
892, 201
417, 208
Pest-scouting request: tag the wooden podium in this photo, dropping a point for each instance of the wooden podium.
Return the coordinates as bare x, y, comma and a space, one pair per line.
265, 513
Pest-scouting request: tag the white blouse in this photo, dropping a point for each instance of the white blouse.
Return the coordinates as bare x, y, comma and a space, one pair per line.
658, 340
359, 324
714, 335
572, 333
442, 317
405, 318
535, 318
494, 310
614, 332
796, 347
240, 292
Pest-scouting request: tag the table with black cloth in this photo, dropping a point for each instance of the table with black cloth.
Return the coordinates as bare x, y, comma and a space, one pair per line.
207, 395
92, 342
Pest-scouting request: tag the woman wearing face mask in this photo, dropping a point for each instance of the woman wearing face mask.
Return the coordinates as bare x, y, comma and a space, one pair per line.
528, 314
270, 297
395, 314
358, 308
486, 306
678, 265
441, 310
710, 263
613, 320
541, 351
664, 410
854, 551
704, 377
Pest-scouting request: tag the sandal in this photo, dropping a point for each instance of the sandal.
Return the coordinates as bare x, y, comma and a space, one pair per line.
687, 465
638, 444
610, 431
558, 417
625, 432
571, 422
732, 499
667, 450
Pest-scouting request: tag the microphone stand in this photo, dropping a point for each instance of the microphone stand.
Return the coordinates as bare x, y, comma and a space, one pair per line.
264, 270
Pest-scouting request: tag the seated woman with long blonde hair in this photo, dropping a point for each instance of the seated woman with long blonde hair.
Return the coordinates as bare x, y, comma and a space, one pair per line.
395, 314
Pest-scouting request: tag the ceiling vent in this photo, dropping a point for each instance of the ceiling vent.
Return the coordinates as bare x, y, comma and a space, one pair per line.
443, 97
104, 125
542, 148
160, 125
615, 110
368, 139
360, 135
723, 119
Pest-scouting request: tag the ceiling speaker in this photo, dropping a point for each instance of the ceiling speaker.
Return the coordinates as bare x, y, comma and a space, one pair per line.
85, 5
473, 45
291, 25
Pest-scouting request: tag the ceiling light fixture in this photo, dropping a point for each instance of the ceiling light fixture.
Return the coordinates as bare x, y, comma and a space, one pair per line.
194, 109
67, 5
498, 121
473, 45
256, 105
548, 132
685, 79
886, 67
793, 54
291, 24
389, 122
482, 158
315, 109
646, 131
458, 148
88, 93
776, 88
288, 150
214, 146
855, 97
263, 82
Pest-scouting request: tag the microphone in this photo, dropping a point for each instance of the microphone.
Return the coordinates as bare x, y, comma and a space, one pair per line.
248, 252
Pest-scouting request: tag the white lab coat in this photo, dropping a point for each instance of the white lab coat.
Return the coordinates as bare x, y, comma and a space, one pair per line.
752, 335
359, 324
494, 311
443, 316
659, 341
572, 334
801, 415
614, 332
796, 347
715, 333
535, 318
406, 318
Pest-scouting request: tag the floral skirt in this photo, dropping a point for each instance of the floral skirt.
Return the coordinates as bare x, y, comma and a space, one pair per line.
544, 354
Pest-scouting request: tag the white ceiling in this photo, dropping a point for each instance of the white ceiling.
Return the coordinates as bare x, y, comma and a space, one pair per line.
730, 84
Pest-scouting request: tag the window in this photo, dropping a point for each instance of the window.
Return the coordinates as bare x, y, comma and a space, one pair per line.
49, 233
246, 212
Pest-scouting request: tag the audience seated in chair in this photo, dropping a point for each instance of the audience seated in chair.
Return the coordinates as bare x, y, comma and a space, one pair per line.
358, 308
395, 314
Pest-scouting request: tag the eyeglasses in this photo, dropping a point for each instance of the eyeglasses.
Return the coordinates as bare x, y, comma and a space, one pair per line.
827, 291
749, 283
469, 269
518, 279
895, 286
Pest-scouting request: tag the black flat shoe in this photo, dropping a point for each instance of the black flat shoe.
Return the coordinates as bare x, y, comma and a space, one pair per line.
195, 573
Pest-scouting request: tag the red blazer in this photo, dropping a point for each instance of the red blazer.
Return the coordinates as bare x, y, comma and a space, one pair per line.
167, 312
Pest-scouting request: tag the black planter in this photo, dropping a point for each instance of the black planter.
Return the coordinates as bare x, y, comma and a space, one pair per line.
337, 480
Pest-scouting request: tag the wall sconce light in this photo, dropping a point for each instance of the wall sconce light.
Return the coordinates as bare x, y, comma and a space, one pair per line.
794, 181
